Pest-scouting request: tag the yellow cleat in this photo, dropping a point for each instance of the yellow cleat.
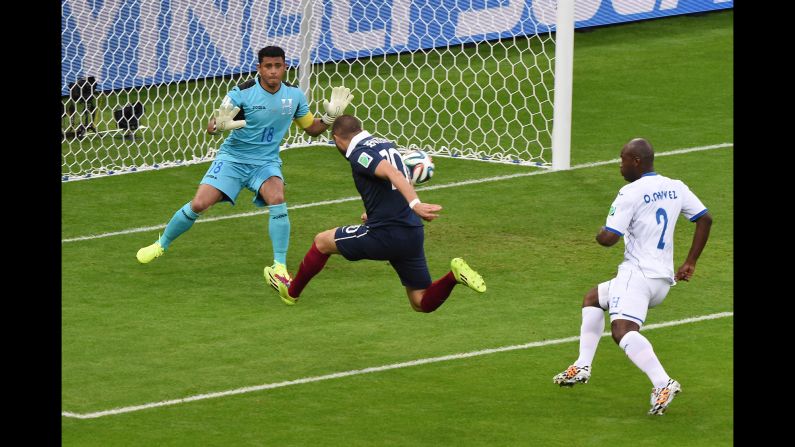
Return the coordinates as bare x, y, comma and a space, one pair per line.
281, 270
149, 253
279, 279
465, 275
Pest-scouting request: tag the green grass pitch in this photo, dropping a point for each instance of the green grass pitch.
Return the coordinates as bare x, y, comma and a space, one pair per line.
201, 319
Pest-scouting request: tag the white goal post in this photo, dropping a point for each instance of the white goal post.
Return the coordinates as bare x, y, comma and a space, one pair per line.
489, 81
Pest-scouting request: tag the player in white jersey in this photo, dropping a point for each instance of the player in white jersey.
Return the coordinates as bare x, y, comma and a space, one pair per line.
644, 213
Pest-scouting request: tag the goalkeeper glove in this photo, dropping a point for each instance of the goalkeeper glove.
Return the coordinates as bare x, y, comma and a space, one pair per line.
225, 115
340, 98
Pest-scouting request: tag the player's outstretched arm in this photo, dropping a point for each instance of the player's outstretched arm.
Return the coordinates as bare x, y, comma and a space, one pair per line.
340, 98
316, 128
426, 211
224, 118
703, 225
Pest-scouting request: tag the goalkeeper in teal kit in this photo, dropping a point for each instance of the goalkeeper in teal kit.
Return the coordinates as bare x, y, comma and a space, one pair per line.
258, 113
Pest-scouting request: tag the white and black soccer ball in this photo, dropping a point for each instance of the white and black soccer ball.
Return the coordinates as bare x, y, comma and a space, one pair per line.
420, 166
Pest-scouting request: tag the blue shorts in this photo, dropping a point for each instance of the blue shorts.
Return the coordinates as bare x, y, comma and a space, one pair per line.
230, 177
401, 246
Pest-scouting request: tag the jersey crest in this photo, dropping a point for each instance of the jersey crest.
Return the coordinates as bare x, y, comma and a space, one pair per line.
287, 106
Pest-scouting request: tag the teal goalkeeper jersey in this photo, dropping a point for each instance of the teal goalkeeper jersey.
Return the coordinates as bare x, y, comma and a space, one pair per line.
268, 117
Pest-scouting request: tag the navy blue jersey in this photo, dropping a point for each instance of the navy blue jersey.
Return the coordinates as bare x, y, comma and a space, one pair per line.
385, 205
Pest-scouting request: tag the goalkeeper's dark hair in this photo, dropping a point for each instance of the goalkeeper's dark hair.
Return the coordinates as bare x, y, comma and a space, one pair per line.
270, 51
346, 125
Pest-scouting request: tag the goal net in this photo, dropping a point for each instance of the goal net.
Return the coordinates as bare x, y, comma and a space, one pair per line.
470, 79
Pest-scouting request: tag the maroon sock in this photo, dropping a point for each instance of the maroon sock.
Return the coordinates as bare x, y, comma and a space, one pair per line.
313, 263
437, 293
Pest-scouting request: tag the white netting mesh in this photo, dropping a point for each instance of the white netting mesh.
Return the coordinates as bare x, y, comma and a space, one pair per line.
448, 79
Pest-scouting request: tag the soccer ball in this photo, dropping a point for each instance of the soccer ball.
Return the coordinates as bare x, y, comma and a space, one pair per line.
420, 166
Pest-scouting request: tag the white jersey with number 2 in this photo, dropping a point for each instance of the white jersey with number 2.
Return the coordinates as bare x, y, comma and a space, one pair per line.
645, 213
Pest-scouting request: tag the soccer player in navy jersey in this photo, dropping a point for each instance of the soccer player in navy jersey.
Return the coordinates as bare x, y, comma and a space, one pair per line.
392, 229
258, 113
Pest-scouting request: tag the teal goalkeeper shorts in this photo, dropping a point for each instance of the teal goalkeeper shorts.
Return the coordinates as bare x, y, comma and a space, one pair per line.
230, 177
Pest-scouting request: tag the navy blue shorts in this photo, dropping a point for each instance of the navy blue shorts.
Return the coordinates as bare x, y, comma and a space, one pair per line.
401, 246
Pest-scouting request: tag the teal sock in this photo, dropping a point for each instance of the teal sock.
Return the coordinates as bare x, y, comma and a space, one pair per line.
279, 231
181, 222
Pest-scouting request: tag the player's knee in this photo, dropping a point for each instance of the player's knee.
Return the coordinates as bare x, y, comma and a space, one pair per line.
319, 241
423, 305
426, 309
415, 297
275, 199
200, 204
619, 328
617, 334
591, 298
325, 242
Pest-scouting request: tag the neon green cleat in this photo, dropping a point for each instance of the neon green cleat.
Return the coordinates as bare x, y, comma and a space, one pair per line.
279, 279
465, 275
281, 270
149, 253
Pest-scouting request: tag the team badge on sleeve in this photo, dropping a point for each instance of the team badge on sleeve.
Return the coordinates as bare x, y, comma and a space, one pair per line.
612, 210
365, 159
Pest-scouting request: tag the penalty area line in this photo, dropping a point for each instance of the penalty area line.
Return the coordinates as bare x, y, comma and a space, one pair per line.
424, 188
374, 369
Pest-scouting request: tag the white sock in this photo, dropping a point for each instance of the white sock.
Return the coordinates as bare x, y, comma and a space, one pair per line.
593, 324
640, 351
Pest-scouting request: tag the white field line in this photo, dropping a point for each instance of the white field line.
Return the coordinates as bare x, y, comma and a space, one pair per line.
426, 188
369, 370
